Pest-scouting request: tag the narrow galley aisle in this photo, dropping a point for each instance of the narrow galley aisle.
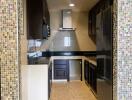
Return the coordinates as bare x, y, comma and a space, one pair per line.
75, 90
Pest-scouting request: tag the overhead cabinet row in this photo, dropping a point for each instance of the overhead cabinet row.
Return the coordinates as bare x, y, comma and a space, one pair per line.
100, 7
38, 19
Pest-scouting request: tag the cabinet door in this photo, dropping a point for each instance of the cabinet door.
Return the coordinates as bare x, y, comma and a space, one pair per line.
92, 22
86, 71
95, 80
61, 69
46, 15
93, 77
107, 28
34, 19
99, 33
60, 73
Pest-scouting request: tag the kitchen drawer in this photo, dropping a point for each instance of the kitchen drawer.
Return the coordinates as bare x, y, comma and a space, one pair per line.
60, 66
60, 62
60, 74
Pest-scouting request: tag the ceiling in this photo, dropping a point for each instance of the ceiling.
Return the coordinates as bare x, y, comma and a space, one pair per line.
80, 5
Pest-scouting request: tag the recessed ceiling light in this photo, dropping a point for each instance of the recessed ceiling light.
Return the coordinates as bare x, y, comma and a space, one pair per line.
71, 4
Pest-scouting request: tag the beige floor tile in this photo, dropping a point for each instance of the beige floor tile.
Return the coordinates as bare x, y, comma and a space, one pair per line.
75, 90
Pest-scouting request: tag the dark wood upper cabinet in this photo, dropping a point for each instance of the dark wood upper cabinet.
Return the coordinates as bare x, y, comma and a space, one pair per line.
107, 28
37, 18
46, 14
99, 7
92, 22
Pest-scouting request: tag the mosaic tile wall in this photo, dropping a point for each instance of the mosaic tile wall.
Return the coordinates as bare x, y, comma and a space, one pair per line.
124, 47
8, 50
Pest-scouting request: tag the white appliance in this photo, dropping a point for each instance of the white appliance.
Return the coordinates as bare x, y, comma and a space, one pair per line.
34, 82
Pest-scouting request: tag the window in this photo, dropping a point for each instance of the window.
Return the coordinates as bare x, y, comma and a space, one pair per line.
67, 41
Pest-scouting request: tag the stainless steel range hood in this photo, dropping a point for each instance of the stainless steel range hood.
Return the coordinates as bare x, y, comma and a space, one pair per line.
66, 23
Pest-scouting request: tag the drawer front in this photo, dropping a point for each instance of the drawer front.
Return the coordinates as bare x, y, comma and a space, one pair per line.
60, 74
60, 66
60, 62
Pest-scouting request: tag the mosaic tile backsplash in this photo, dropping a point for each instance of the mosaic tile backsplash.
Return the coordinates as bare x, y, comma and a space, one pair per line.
8, 50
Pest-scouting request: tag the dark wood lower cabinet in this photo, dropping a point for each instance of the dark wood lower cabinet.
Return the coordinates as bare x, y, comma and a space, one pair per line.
93, 78
61, 69
60, 74
90, 75
86, 71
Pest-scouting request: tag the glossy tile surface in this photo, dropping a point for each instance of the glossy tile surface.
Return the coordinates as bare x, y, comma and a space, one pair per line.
75, 90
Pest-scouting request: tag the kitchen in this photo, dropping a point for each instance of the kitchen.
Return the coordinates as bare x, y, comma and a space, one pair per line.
60, 35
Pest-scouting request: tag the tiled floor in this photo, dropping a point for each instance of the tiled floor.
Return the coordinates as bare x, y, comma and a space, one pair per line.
75, 90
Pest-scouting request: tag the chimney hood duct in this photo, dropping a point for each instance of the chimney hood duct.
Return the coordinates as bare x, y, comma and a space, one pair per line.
66, 20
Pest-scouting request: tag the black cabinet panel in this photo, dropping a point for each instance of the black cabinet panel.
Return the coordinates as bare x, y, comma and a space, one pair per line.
108, 72
99, 32
90, 75
34, 18
93, 77
60, 74
100, 67
107, 28
104, 78
86, 71
99, 7
92, 22
46, 15
104, 61
60, 62
60, 66
103, 34
61, 69
38, 19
